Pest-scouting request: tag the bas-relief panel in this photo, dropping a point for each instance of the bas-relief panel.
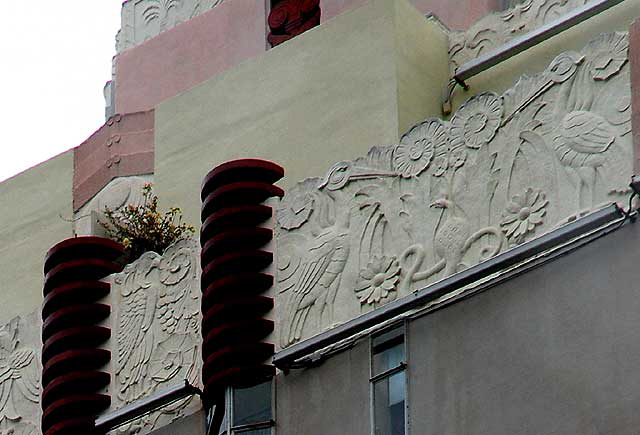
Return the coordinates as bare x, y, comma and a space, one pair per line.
504, 170
500, 27
157, 338
20, 376
144, 19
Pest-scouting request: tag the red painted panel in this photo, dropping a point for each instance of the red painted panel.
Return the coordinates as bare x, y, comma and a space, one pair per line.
188, 54
123, 146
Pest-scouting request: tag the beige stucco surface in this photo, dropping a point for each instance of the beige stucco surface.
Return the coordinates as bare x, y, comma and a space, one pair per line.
327, 95
535, 59
33, 205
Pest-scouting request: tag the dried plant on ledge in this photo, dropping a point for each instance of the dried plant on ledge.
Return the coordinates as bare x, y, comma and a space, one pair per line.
143, 228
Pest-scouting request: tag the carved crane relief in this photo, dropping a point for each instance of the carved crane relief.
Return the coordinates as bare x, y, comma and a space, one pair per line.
505, 169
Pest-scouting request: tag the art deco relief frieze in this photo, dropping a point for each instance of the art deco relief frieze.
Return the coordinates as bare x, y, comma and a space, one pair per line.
500, 27
144, 19
20, 376
505, 169
157, 330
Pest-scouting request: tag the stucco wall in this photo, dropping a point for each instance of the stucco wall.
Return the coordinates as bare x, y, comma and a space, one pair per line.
34, 205
553, 351
326, 95
331, 399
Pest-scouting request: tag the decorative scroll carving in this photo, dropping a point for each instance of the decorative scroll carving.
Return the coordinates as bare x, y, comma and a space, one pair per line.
144, 19
501, 27
19, 378
289, 18
158, 325
505, 169
119, 193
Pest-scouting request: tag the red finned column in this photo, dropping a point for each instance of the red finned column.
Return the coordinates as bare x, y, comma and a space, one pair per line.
73, 361
234, 281
289, 18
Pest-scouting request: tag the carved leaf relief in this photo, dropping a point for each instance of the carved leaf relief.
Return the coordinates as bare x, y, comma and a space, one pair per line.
506, 169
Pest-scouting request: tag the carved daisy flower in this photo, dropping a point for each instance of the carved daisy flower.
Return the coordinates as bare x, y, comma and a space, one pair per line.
378, 280
522, 215
476, 121
296, 206
417, 147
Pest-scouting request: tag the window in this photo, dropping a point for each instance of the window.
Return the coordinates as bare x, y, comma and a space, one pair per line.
249, 411
388, 383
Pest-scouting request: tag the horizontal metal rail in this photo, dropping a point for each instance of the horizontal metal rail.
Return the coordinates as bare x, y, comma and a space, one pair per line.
520, 44
286, 358
108, 422
528, 40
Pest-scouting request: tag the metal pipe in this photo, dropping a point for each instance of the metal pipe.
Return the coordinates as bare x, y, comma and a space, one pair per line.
528, 40
285, 358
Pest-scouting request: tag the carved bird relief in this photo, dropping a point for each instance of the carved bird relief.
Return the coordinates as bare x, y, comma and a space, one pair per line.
19, 378
159, 315
318, 278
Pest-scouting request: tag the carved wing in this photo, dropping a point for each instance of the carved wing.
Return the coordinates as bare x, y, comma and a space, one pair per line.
25, 373
135, 336
327, 259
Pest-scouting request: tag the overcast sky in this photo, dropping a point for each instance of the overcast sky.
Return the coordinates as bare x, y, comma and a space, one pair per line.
56, 58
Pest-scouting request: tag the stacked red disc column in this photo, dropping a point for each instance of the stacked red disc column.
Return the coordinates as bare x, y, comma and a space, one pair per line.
73, 360
235, 274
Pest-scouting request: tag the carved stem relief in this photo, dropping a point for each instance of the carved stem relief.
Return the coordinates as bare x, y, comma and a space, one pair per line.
504, 170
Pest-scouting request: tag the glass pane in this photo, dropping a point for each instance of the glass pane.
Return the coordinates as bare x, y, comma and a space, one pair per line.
388, 403
252, 405
388, 355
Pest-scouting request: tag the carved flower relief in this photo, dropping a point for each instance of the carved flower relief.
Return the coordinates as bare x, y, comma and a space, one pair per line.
417, 148
175, 265
476, 121
378, 280
296, 206
523, 214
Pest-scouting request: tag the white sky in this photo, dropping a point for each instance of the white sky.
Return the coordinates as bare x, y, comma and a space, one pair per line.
56, 58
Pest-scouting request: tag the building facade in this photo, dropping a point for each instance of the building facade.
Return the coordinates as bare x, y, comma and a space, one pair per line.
455, 250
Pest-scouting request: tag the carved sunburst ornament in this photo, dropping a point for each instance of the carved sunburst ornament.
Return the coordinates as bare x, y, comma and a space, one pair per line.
477, 121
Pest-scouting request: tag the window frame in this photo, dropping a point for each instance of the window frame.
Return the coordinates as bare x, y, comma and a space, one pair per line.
228, 428
396, 330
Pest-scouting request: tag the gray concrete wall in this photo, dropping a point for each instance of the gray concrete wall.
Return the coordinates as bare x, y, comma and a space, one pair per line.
331, 399
32, 207
554, 351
